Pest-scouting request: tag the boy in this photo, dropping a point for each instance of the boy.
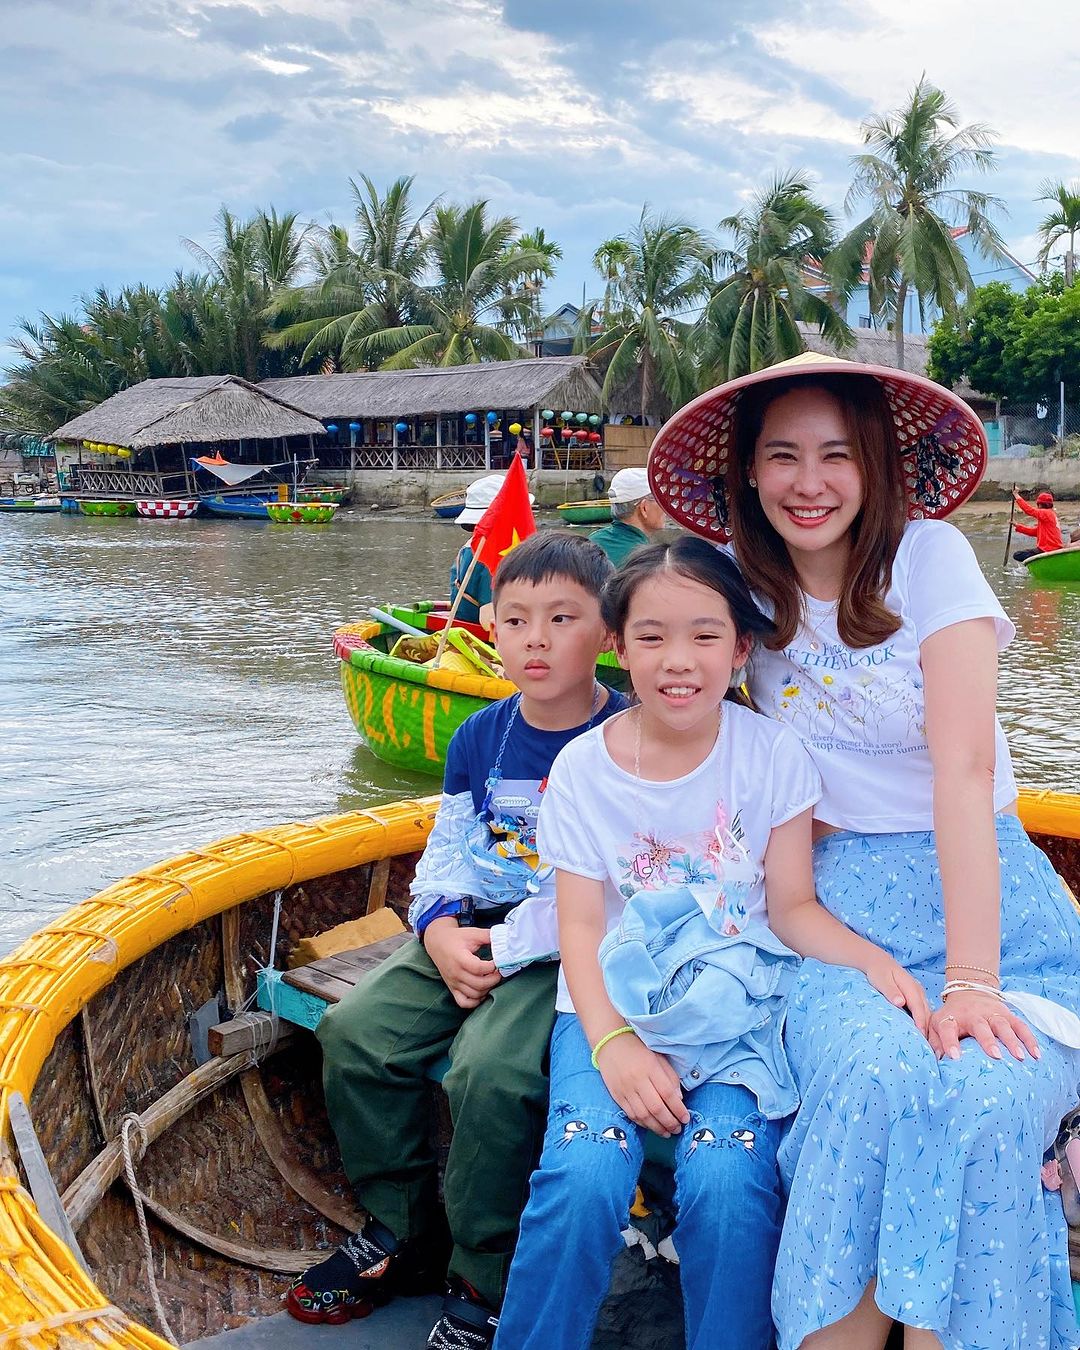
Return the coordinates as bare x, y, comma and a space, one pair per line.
479, 888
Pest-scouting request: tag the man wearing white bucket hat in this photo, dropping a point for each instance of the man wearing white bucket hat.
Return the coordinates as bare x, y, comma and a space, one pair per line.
477, 597
635, 515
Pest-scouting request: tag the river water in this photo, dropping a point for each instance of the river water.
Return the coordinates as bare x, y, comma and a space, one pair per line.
166, 683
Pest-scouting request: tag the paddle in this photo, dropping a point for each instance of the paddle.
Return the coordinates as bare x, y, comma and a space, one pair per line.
1008, 537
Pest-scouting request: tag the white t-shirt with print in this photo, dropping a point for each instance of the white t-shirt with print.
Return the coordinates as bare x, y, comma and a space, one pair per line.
861, 712
708, 830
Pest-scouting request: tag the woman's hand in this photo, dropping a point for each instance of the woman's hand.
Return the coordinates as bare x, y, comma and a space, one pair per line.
644, 1084
986, 1019
902, 989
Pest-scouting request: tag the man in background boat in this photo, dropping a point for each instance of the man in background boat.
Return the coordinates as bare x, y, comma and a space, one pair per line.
1046, 531
475, 603
635, 515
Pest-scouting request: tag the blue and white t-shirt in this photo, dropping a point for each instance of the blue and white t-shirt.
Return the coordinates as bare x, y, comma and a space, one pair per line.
448, 866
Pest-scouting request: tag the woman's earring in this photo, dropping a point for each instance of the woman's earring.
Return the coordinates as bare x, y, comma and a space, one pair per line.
738, 678
752, 482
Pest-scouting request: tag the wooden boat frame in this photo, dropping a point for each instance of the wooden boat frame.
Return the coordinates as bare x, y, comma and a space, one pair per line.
59, 989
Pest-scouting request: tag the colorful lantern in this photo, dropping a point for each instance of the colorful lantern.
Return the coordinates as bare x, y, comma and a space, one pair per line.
401, 428
470, 419
515, 428
492, 418
595, 438
332, 428
547, 414
566, 433
594, 420
568, 416
582, 418
547, 433
354, 426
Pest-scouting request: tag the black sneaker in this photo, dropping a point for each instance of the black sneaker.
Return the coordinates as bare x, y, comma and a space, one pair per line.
466, 1323
351, 1282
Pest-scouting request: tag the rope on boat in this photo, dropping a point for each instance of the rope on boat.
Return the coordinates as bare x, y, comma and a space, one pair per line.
131, 1124
25, 1332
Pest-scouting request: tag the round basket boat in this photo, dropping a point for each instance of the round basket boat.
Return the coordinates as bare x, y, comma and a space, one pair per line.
450, 505
107, 508
1063, 564
301, 513
118, 1012
321, 494
173, 508
585, 513
405, 712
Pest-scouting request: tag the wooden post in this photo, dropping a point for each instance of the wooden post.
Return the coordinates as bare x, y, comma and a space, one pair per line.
538, 454
438, 440
487, 443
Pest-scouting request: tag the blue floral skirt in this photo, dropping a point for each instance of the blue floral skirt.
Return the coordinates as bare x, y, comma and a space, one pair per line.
924, 1175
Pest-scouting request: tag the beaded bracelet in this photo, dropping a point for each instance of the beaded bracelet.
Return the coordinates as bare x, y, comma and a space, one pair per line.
981, 970
619, 1031
970, 987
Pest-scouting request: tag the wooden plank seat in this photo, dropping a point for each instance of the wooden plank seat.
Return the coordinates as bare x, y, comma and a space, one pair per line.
302, 996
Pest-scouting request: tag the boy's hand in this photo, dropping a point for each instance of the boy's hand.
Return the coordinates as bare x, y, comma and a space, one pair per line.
644, 1084
453, 949
902, 989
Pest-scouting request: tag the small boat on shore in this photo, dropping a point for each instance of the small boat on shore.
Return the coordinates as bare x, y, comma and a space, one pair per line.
450, 505
301, 512
30, 505
172, 508
107, 508
595, 512
128, 1058
1063, 564
406, 712
238, 505
321, 494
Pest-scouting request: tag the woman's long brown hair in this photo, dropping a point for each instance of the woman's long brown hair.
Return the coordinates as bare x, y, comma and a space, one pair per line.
862, 618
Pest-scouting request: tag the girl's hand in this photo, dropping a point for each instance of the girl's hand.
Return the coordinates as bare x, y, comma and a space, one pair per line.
902, 989
644, 1084
986, 1019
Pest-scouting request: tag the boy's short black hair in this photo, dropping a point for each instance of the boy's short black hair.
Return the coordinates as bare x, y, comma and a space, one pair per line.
554, 553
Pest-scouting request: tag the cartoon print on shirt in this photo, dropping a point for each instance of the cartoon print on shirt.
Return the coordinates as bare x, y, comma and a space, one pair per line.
716, 865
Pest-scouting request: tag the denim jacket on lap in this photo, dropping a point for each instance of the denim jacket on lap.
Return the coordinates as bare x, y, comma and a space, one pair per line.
712, 1003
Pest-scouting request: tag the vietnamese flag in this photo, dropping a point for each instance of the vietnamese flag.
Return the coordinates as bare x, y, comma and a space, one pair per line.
507, 521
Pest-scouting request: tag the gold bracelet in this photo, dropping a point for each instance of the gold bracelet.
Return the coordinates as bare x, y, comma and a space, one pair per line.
981, 970
619, 1031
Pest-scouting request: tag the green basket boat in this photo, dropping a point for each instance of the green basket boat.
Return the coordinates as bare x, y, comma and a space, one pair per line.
301, 513
1061, 565
406, 713
322, 494
108, 508
585, 513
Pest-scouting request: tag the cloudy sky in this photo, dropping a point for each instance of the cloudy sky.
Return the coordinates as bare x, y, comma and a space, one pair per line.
131, 121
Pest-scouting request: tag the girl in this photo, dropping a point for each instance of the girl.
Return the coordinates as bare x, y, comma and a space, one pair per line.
684, 790
913, 1165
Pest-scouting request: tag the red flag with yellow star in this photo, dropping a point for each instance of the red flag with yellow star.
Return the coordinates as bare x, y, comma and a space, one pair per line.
507, 521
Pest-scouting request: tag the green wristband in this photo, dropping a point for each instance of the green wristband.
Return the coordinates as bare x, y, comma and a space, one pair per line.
619, 1031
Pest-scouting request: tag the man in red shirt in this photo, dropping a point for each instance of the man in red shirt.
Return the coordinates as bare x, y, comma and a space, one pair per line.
1046, 531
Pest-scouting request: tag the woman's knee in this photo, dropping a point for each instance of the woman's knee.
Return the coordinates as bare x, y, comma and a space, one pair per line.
729, 1168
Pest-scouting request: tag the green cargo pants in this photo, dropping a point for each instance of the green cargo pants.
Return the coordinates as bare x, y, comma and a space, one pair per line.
380, 1042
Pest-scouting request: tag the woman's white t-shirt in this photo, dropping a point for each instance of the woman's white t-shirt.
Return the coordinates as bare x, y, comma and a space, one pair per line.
707, 831
861, 712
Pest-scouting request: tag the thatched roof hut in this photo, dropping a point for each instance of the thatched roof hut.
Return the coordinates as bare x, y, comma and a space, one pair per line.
556, 382
873, 347
197, 409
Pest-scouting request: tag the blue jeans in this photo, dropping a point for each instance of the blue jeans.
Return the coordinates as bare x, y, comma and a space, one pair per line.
728, 1197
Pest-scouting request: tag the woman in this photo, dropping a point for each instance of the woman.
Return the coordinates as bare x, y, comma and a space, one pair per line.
913, 1168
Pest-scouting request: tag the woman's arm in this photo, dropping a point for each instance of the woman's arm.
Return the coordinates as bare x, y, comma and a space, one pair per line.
642, 1082
806, 926
959, 666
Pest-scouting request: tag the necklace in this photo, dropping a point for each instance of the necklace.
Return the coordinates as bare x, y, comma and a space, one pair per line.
495, 772
636, 714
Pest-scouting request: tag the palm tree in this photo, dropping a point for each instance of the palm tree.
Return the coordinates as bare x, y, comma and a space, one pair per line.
1063, 220
751, 319
914, 157
524, 293
477, 290
252, 260
653, 276
359, 288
